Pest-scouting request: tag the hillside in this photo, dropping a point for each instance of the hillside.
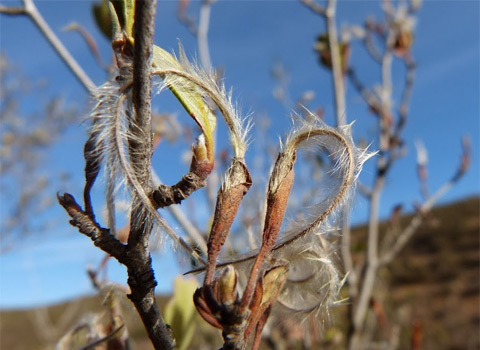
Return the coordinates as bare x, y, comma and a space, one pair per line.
434, 283
437, 278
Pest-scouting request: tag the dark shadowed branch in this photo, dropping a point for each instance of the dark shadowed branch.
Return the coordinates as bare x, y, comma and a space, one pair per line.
140, 274
101, 237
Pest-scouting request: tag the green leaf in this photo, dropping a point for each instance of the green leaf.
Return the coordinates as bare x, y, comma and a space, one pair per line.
103, 19
127, 7
273, 281
188, 95
115, 15
180, 313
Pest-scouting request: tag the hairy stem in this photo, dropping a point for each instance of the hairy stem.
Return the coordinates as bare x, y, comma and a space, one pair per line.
347, 179
145, 199
140, 274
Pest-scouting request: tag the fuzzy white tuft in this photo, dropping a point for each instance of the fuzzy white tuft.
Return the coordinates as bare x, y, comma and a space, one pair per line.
113, 115
112, 118
314, 279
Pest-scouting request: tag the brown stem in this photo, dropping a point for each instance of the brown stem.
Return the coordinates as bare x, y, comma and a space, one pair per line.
280, 184
12, 10
259, 328
230, 195
140, 274
184, 222
165, 195
142, 284
101, 237
140, 144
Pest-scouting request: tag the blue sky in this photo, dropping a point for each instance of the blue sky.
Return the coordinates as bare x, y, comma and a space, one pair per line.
246, 38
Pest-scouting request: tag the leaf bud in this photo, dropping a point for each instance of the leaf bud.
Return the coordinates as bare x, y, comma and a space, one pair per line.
201, 164
273, 281
227, 286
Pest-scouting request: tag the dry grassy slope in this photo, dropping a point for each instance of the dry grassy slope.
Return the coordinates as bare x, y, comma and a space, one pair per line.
20, 330
437, 278
435, 281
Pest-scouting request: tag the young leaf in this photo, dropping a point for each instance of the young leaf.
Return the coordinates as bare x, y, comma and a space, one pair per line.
180, 312
273, 281
101, 13
188, 95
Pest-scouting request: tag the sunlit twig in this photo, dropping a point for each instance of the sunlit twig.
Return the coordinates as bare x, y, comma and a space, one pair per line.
29, 9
